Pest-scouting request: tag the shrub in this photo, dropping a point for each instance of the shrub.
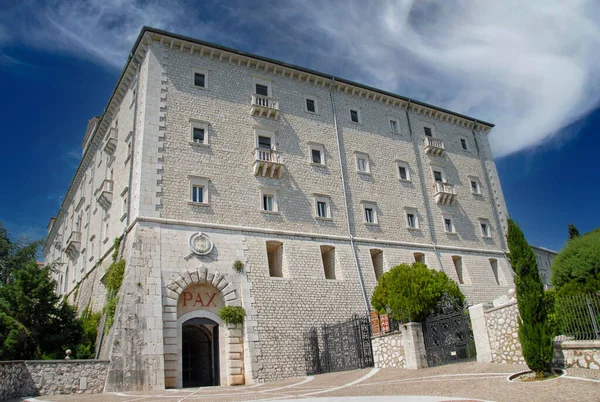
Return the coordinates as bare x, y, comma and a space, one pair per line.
577, 267
113, 280
232, 314
535, 331
238, 266
410, 292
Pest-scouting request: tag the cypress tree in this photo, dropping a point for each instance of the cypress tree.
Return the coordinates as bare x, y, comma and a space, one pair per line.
535, 332
573, 232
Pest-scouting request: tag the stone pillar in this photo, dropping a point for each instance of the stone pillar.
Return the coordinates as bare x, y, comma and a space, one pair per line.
414, 346
235, 354
480, 334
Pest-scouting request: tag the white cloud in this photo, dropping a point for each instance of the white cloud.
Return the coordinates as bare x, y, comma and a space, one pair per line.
529, 67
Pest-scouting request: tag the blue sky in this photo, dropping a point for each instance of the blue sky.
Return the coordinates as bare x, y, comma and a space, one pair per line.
529, 67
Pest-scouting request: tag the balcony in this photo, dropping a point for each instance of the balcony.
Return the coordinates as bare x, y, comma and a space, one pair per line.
445, 193
104, 194
433, 146
58, 241
268, 163
73, 242
264, 106
111, 142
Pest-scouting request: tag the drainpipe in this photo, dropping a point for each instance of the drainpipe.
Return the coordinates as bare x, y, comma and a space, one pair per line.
423, 190
490, 190
349, 227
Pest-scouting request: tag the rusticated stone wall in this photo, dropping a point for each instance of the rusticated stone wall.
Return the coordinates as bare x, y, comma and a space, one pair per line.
584, 354
51, 377
503, 332
388, 351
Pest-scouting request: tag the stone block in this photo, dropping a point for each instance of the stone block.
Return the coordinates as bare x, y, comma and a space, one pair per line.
236, 379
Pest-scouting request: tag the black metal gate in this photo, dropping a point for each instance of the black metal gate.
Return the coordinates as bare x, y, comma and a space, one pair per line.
448, 335
339, 347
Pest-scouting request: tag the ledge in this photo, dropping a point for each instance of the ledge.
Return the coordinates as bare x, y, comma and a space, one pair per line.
576, 344
198, 204
199, 144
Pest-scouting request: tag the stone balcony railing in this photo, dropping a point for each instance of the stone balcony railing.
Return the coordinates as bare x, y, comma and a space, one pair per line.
268, 163
104, 194
111, 142
264, 106
73, 242
444, 193
434, 146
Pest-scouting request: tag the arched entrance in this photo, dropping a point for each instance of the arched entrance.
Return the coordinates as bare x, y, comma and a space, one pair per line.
200, 352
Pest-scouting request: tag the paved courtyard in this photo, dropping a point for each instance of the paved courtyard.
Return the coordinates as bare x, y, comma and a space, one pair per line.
464, 381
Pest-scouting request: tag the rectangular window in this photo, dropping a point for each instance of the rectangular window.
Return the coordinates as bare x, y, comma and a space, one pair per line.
197, 193
448, 225
322, 209
494, 266
369, 215
354, 116
474, 187
267, 202
485, 229
419, 257
316, 156
463, 144
427, 131
198, 135
402, 172
377, 260
200, 80
328, 258
262, 90
437, 175
394, 126
411, 220
264, 142
458, 265
310, 105
275, 259
362, 164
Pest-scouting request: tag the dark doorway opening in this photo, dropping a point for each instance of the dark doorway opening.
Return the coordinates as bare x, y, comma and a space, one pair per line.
200, 353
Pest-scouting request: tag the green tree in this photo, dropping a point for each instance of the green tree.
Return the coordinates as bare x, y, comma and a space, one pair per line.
411, 291
576, 269
535, 329
14, 255
573, 232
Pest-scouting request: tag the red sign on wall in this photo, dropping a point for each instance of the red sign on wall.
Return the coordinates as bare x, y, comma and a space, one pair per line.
375, 323
385, 323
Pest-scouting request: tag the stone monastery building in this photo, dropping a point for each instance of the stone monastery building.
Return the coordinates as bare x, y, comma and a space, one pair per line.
206, 155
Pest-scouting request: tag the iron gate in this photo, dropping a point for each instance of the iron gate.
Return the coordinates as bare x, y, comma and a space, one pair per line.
448, 334
339, 347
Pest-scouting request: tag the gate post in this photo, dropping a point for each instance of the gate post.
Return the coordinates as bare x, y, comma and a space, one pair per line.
414, 346
480, 334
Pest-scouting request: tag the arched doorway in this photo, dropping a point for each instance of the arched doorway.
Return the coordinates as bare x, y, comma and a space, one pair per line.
200, 352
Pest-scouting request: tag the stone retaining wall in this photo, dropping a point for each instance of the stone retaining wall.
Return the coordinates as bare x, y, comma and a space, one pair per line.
503, 332
51, 377
388, 351
584, 354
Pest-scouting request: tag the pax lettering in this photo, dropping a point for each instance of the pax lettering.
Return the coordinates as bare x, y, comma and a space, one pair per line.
196, 299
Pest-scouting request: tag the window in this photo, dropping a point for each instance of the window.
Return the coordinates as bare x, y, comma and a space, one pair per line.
322, 208
276, 261
428, 131
438, 175
485, 228
317, 154
419, 257
412, 220
449, 225
198, 190
200, 80
310, 104
328, 257
362, 163
199, 134
261, 89
458, 266
124, 208
403, 171
464, 143
475, 187
370, 213
377, 260
394, 126
355, 115
268, 201
494, 266
264, 142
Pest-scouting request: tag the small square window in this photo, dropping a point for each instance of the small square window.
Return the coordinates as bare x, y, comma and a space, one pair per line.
264, 142
311, 105
354, 116
198, 194
403, 171
370, 213
362, 163
198, 135
485, 229
394, 126
322, 209
316, 156
437, 175
200, 80
198, 190
262, 90
475, 187
428, 131
268, 201
463, 144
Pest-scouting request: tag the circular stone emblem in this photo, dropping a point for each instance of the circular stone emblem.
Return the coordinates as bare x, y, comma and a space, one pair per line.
200, 243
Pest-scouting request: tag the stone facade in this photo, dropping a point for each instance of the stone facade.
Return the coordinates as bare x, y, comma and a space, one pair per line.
503, 332
51, 377
143, 146
544, 258
584, 354
388, 351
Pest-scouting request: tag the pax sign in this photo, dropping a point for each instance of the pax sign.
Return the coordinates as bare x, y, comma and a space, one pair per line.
199, 297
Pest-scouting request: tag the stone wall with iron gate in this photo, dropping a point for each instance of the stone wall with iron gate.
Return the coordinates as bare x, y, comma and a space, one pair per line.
339, 347
448, 333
